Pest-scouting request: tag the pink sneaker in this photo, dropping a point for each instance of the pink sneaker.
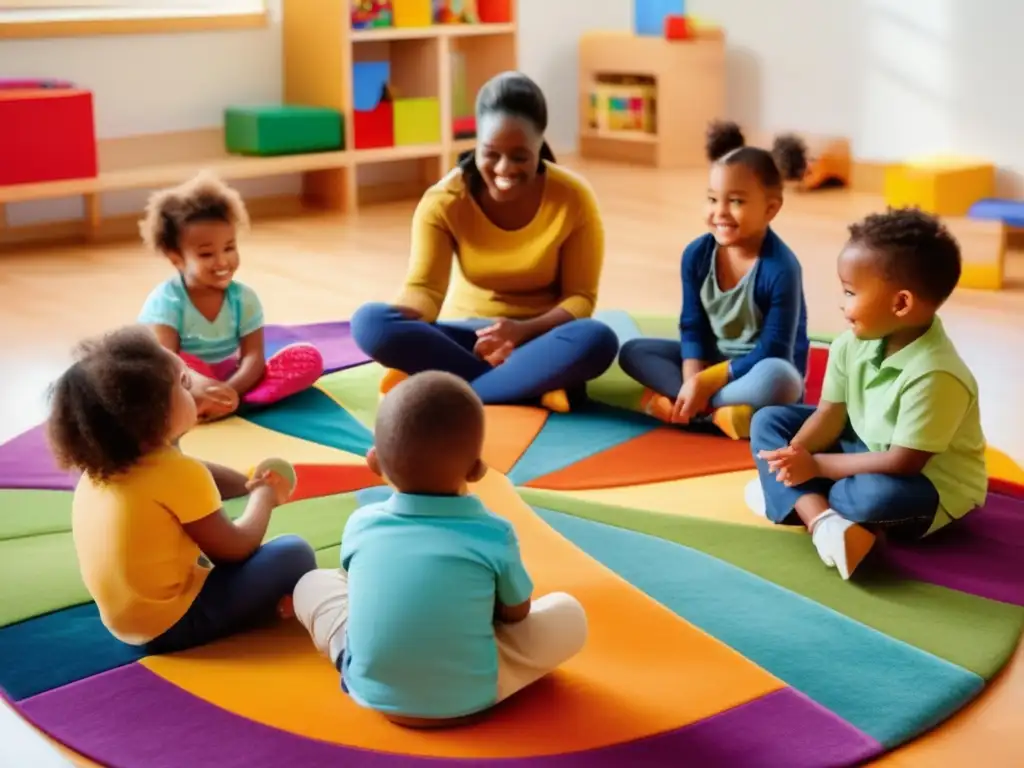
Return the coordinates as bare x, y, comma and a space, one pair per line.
289, 371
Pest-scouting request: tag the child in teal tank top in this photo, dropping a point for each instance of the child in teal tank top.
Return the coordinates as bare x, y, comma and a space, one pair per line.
204, 315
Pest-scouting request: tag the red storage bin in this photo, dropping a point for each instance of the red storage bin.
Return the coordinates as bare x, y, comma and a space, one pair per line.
46, 135
375, 128
494, 11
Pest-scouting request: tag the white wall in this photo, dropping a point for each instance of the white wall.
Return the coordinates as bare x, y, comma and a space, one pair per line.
896, 76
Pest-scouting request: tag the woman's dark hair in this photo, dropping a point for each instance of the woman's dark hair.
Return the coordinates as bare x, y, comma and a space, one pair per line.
113, 404
203, 198
516, 95
786, 162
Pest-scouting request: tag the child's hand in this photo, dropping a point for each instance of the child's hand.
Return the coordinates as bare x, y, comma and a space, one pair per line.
792, 465
278, 485
216, 401
691, 401
496, 342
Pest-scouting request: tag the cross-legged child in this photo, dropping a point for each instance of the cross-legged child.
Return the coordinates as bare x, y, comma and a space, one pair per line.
202, 313
896, 443
430, 619
743, 327
144, 513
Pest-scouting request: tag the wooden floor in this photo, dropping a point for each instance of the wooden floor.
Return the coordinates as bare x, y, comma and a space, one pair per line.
321, 267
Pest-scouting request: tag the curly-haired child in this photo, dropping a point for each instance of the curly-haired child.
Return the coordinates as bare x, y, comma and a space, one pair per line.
144, 513
896, 444
202, 313
743, 325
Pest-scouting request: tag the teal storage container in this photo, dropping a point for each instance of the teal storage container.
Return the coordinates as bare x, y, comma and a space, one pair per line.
282, 130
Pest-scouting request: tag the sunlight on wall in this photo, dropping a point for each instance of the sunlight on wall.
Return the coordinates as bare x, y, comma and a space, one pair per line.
908, 106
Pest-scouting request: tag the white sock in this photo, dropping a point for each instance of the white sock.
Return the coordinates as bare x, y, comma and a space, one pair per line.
753, 495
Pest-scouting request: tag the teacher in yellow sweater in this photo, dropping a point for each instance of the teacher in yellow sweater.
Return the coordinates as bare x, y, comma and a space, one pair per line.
529, 245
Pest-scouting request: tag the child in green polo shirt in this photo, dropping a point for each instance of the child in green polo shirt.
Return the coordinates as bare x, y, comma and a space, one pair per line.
895, 444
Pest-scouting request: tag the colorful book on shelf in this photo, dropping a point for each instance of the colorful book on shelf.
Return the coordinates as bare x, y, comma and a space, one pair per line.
372, 14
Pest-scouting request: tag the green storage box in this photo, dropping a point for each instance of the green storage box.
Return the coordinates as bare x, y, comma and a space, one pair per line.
282, 130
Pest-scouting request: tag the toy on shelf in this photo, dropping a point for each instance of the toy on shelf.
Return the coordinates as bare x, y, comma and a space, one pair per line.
678, 27
413, 13
372, 14
46, 134
649, 16
373, 113
417, 120
282, 129
494, 11
623, 104
463, 118
454, 12
942, 186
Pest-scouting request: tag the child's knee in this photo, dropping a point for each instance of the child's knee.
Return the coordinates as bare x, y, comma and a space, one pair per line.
769, 428
368, 325
566, 622
293, 557
780, 382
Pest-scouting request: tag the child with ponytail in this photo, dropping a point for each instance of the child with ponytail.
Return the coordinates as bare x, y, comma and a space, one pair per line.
743, 326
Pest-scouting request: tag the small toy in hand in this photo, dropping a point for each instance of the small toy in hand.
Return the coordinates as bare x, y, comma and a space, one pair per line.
278, 467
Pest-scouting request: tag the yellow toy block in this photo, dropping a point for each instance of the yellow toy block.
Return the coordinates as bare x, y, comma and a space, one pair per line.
417, 121
942, 186
983, 246
412, 13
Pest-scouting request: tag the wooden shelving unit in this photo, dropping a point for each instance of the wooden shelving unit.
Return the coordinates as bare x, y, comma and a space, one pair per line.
690, 86
319, 48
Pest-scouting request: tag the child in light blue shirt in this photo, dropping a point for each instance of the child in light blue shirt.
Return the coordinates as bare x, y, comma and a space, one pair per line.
202, 314
430, 618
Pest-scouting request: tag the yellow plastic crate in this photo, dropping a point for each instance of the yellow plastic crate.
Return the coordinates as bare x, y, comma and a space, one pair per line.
417, 121
943, 186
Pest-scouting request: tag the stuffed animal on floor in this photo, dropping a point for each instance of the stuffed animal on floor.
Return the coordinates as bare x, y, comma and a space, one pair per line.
806, 164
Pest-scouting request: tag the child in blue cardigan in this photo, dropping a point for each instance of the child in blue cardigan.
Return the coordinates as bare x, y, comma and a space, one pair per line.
743, 327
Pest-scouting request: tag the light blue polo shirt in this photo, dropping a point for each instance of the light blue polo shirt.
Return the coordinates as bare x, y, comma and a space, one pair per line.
423, 576
241, 314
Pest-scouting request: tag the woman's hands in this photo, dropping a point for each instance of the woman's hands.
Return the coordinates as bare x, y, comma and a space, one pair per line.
498, 340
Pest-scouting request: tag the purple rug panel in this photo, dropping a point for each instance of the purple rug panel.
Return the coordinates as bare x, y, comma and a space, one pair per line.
27, 463
980, 555
334, 340
132, 718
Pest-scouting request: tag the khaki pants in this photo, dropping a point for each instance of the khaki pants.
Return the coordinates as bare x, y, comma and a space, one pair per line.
553, 633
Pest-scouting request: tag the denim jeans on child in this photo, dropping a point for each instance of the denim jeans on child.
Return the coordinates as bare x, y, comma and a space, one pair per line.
658, 365
240, 596
905, 505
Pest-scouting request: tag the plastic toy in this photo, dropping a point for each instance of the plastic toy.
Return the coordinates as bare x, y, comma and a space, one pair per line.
371, 14
417, 121
678, 27
413, 13
942, 186
622, 103
373, 116
454, 12
649, 15
494, 11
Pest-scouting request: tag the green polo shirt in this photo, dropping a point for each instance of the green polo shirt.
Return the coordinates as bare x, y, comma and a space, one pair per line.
924, 398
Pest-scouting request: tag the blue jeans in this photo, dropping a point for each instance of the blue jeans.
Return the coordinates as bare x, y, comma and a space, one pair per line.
566, 357
905, 505
240, 596
658, 365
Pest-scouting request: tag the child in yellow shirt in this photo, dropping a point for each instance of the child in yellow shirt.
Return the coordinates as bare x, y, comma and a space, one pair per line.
144, 513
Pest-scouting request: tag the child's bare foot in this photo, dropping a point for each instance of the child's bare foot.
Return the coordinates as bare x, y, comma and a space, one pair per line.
734, 420
286, 608
841, 543
656, 405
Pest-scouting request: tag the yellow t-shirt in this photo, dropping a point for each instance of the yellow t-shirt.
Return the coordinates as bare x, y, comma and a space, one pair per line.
554, 261
137, 562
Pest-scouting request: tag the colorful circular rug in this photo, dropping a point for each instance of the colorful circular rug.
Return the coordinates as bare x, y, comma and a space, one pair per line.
716, 638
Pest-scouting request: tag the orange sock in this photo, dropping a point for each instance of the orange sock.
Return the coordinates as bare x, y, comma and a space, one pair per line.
556, 400
392, 377
734, 420
656, 405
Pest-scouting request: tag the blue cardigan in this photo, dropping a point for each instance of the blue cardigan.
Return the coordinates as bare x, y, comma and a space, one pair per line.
778, 293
